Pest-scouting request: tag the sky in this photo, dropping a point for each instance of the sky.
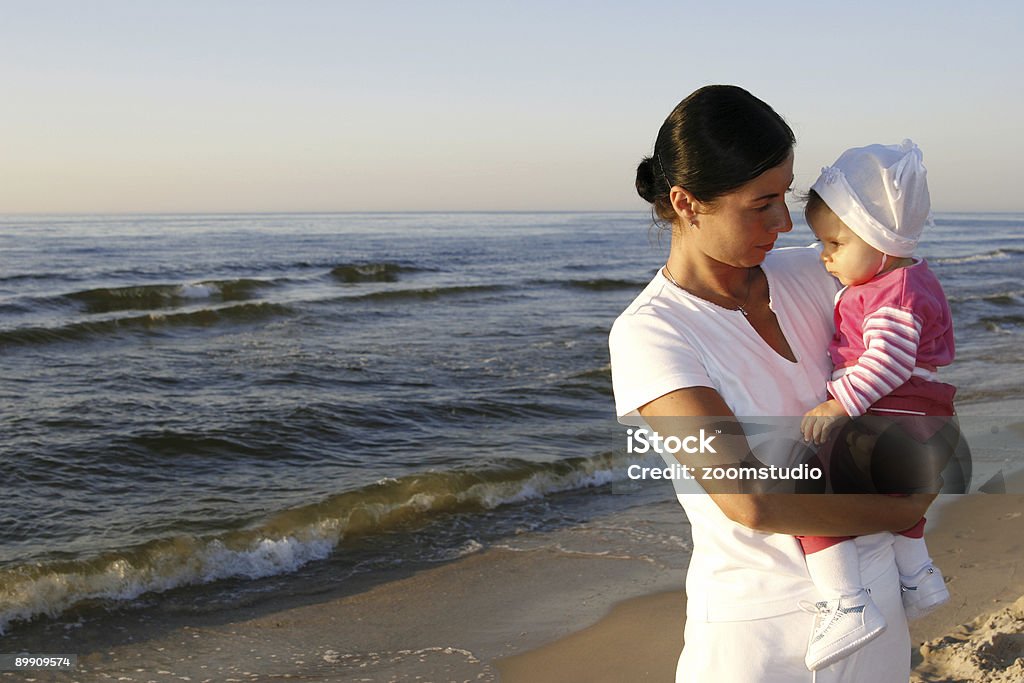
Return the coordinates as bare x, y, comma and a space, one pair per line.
250, 106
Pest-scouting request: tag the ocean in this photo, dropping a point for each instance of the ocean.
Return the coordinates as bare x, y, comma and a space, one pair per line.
212, 409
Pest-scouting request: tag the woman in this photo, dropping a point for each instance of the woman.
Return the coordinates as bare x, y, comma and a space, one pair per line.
729, 327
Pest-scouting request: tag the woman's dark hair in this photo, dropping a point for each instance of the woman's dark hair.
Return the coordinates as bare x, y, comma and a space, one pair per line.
714, 141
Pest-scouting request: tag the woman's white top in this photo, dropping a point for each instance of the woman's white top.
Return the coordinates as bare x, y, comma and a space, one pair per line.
669, 339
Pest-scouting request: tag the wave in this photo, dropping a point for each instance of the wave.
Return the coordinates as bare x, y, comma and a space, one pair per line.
384, 271
290, 539
427, 292
603, 372
997, 255
999, 298
1000, 323
370, 272
145, 297
603, 284
593, 284
90, 329
18, 277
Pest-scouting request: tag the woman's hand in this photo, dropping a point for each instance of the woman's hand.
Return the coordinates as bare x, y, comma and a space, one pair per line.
821, 420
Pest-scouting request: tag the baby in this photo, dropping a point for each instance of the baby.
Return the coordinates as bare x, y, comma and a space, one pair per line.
893, 331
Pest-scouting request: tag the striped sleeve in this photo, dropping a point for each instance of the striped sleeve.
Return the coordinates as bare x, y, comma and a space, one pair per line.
891, 339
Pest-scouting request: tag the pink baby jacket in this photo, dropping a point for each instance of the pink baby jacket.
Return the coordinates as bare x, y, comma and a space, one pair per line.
888, 329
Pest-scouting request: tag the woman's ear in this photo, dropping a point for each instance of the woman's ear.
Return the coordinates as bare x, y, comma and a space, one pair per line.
684, 204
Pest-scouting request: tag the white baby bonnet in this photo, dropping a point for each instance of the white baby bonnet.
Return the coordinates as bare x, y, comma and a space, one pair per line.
881, 193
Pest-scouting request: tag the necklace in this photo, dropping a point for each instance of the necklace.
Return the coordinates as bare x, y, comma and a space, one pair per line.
741, 306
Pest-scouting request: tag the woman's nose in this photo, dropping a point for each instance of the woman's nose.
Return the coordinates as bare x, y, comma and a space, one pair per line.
783, 221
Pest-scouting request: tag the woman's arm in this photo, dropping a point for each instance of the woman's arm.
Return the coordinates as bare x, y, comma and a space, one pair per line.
794, 514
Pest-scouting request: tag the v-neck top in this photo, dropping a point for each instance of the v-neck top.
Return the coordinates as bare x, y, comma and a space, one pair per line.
670, 339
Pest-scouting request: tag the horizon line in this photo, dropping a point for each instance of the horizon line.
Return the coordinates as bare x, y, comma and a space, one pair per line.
16, 214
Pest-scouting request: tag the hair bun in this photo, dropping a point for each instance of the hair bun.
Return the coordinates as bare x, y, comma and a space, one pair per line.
645, 184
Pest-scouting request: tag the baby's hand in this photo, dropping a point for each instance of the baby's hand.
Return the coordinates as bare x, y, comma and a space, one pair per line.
818, 422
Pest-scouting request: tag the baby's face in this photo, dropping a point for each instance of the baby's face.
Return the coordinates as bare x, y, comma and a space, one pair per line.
849, 258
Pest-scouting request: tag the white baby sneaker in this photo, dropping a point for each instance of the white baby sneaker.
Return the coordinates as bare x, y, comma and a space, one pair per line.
923, 592
842, 626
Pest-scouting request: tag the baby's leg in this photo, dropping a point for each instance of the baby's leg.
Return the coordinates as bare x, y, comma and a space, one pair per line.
911, 550
924, 589
833, 564
846, 619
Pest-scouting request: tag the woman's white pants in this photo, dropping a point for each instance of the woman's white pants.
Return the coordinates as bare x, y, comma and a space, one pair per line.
772, 650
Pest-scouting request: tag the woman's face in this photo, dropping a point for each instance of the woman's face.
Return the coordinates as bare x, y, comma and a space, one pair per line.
742, 226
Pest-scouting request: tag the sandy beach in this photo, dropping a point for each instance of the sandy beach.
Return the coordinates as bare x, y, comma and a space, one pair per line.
976, 540
546, 609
